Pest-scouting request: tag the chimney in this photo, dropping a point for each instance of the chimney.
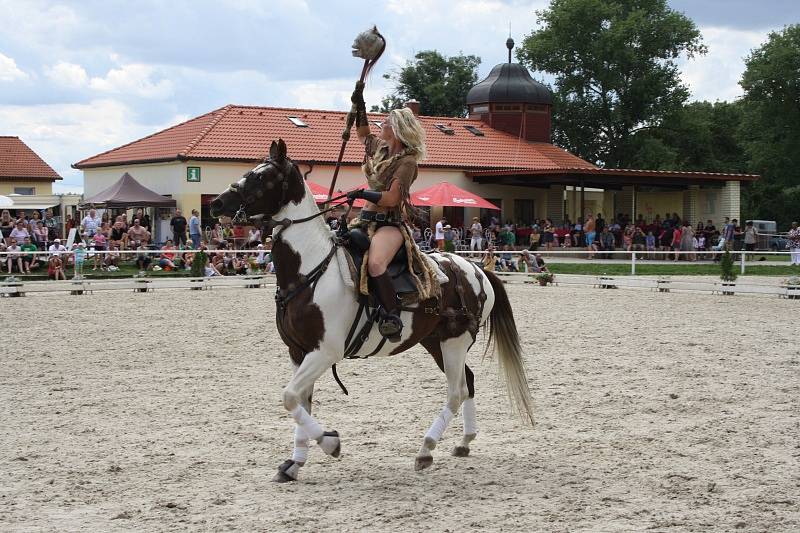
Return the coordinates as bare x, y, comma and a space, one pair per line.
413, 105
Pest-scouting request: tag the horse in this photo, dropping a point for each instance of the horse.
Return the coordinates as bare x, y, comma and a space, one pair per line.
318, 313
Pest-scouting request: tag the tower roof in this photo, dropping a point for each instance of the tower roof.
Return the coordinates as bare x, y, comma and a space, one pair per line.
509, 83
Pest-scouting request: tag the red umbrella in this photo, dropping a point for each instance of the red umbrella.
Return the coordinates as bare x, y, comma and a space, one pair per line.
321, 194
445, 194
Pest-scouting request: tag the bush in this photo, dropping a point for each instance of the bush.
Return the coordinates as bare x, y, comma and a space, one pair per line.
728, 273
199, 264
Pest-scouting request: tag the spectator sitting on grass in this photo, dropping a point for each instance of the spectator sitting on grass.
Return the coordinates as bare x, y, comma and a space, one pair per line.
167, 260
142, 257
29, 260
188, 257
111, 259
55, 268
607, 242
489, 261
14, 257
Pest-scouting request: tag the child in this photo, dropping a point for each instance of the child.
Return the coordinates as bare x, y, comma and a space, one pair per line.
80, 257
650, 242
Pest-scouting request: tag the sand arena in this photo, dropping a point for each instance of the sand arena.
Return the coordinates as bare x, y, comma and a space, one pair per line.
162, 412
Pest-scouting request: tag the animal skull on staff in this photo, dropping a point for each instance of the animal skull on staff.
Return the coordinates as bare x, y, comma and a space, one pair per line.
369, 46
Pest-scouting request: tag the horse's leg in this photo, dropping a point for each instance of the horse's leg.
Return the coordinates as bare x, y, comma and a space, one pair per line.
454, 355
289, 470
468, 412
313, 366
468, 406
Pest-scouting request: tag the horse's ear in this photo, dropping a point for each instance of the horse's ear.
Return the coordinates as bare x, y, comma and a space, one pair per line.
273, 150
281, 150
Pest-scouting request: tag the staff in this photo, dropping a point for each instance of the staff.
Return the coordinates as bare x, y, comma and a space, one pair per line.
369, 46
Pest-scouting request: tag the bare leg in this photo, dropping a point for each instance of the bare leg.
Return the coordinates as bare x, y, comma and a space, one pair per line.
454, 355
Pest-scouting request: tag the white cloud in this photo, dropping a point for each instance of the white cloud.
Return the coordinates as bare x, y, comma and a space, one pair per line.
67, 74
9, 71
65, 133
136, 79
716, 75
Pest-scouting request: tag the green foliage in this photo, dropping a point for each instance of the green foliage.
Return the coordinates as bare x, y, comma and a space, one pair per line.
615, 69
699, 136
727, 272
199, 264
770, 129
439, 83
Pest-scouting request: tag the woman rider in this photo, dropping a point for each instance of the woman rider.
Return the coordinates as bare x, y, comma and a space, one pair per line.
390, 167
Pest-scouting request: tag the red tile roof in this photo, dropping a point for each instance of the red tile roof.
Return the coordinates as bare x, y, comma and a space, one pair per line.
688, 174
19, 162
244, 133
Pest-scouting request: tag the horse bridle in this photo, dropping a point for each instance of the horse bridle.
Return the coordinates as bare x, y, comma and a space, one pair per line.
241, 213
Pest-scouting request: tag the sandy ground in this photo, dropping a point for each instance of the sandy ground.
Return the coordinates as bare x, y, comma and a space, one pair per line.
161, 412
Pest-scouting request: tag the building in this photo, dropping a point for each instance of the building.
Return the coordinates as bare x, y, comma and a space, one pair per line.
28, 180
501, 152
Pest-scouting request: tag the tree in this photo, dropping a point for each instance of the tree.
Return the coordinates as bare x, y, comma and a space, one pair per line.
770, 129
439, 83
615, 69
699, 136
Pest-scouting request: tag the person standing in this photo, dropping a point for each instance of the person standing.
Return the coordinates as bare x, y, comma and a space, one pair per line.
750, 235
476, 230
178, 224
794, 244
90, 223
439, 235
728, 231
194, 228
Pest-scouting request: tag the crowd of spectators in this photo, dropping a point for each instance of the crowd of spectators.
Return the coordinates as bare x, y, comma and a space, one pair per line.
669, 237
105, 242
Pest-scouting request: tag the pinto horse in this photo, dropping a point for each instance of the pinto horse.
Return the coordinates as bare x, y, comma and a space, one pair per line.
316, 310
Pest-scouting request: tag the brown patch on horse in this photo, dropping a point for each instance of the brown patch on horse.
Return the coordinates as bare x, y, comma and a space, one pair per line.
300, 324
456, 319
422, 325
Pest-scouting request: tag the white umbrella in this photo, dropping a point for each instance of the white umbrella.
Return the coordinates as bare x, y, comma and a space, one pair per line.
5, 201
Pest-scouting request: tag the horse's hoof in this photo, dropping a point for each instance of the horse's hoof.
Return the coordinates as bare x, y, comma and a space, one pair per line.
287, 472
421, 463
330, 444
460, 451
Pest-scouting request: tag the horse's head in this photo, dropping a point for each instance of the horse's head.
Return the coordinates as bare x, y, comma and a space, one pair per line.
265, 190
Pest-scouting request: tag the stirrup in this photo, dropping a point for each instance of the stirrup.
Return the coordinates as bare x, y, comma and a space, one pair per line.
390, 326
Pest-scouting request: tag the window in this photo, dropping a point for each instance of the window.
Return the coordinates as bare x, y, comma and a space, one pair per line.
506, 107
473, 130
297, 122
445, 129
480, 108
378, 123
523, 211
27, 191
538, 108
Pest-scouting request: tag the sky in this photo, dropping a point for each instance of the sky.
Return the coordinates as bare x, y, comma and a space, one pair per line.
81, 77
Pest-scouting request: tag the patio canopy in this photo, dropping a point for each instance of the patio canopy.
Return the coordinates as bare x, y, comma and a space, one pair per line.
127, 192
446, 194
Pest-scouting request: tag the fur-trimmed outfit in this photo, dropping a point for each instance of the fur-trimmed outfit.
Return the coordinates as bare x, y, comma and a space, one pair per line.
381, 171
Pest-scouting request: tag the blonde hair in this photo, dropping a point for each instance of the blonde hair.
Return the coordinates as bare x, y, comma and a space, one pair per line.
408, 131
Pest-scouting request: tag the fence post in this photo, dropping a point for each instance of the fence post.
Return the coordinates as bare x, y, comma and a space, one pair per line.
742, 261
633, 263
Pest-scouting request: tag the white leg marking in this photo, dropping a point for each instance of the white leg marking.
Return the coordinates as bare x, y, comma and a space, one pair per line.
454, 355
470, 423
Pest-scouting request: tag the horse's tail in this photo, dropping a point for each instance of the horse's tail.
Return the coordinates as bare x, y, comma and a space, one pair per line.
504, 340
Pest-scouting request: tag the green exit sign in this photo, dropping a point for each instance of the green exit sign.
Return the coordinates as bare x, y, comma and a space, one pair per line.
192, 173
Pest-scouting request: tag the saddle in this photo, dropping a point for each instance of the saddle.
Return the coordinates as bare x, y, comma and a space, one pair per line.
357, 243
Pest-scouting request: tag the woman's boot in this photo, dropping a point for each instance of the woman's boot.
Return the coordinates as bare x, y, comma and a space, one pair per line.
390, 325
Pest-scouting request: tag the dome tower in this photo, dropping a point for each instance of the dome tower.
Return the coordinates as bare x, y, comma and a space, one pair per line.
511, 101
